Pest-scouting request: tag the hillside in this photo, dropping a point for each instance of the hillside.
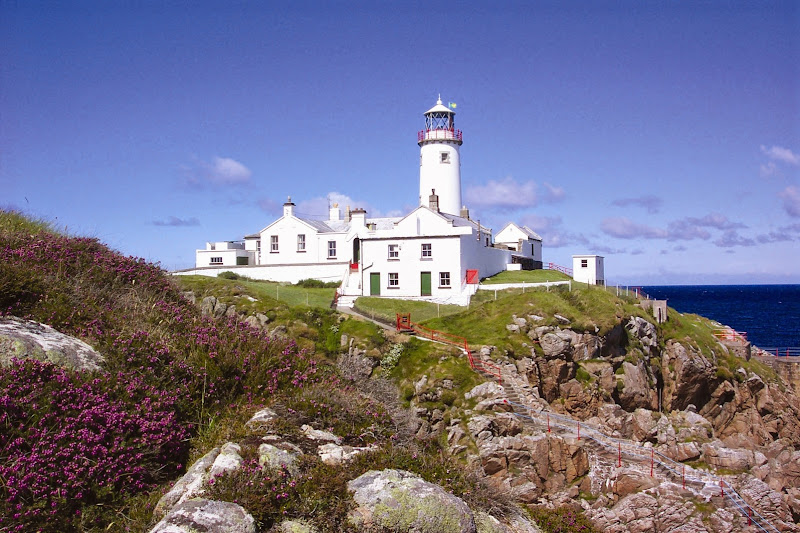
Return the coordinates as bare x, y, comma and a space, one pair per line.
186, 363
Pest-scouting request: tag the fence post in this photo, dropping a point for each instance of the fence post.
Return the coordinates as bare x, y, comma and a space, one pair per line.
619, 454
721, 490
548, 422
579, 431
651, 462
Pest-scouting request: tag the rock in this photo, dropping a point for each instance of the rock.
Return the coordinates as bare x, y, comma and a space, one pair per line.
644, 332
555, 344
355, 366
252, 321
419, 386
488, 389
189, 486
207, 305
716, 455
261, 419
635, 391
208, 516
316, 434
513, 328
296, 526
275, 457
562, 319
535, 318
397, 500
766, 501
519, 321
190, 297
333, 454
228, 460
231, 312
25, 339
220, 309
486, 523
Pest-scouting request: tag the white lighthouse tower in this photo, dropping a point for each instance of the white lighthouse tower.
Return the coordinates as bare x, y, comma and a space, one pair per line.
439, 161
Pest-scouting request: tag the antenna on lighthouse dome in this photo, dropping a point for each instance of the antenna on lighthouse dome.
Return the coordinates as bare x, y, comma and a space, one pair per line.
439, 101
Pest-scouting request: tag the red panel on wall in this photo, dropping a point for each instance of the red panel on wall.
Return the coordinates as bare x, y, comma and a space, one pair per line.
472, 277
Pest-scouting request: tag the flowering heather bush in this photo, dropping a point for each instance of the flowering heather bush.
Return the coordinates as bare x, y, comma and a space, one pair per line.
71, 438
562, 520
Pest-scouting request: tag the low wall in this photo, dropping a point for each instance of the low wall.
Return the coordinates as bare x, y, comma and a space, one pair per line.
787, 368
503, 286
282, 273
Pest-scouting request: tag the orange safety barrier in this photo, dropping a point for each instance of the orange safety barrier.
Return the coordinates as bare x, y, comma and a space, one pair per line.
404, 324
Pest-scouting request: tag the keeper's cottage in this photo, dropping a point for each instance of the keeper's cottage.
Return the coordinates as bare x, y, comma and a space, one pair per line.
436, 252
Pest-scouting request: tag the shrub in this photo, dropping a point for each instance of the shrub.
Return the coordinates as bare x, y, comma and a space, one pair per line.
317, 284
562, 520
229, 275
74, 438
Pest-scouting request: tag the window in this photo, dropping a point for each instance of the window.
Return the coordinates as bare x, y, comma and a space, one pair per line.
444, 157
331, 249
584, 263
426, 251
444, 279
216, 260
394, 280
301, 242
394, 251
273, 239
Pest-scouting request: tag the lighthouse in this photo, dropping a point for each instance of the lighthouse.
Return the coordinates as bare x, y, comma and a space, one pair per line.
439, 161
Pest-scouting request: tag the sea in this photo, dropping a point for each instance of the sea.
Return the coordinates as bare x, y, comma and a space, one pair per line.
769, 314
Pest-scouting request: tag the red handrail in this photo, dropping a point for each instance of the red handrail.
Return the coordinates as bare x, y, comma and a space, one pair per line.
562, 269
403, 321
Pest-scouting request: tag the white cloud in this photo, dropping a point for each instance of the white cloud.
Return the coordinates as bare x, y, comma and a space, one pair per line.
554, 194
227, 171
624, 228
778, 153
768, 169
220, 172
177, 222
551, 230
791, 200
503, 193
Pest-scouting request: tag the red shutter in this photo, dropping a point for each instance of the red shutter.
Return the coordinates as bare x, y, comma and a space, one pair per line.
472, 277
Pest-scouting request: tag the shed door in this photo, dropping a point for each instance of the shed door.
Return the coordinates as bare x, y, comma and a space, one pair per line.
375, 283
425, 283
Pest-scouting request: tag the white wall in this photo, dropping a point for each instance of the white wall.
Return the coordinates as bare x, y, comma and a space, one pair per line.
316, 249
593, 273
445, 178
284, 273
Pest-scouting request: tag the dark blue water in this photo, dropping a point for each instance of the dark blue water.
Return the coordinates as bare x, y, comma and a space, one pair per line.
770, 314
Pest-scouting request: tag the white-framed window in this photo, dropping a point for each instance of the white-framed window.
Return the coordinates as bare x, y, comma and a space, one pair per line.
427, 251
444, 279
273, 244
444, 157
301, 242
584, 263
331, 249
216, 260
394, 280
394, 251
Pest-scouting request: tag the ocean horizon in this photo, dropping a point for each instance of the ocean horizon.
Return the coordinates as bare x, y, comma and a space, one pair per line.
769, 314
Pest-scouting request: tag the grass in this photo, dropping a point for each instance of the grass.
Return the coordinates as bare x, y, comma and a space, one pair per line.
526, 276
385, 309
269, 292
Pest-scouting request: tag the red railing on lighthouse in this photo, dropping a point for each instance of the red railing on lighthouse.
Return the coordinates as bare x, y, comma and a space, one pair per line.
439, 133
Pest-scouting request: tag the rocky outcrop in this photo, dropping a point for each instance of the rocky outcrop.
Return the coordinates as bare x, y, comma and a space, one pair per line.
25, 339
396, 500
208, 516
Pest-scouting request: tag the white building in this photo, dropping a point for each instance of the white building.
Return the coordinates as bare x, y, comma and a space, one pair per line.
435, 252
588, 269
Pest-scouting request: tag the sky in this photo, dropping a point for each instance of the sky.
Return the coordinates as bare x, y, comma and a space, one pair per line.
664, 136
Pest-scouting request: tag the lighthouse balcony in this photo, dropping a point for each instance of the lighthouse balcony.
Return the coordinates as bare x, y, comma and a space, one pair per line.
442, 134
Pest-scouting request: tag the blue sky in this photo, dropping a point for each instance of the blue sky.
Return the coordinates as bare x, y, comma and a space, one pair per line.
662, 135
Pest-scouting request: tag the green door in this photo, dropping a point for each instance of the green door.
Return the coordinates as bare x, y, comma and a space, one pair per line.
425, 283
375, 283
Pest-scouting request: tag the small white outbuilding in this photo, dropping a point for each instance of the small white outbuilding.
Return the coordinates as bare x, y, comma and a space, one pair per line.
588, 269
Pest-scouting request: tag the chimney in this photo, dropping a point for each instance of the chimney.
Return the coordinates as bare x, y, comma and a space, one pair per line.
288, 208
464, 212
433, 201
335, 213
347, 214
359, 217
